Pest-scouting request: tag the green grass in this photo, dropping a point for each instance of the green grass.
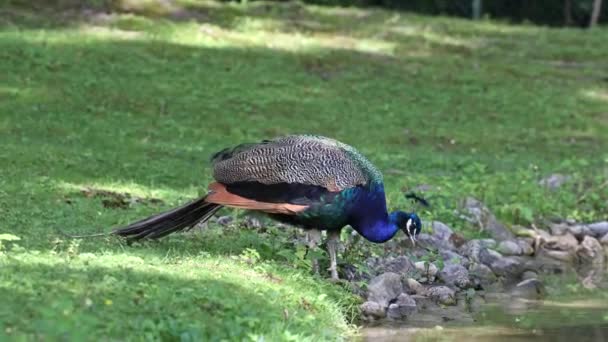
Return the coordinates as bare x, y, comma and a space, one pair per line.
136, 102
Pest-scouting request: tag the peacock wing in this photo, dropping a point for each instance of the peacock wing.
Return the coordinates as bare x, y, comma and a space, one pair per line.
292, 169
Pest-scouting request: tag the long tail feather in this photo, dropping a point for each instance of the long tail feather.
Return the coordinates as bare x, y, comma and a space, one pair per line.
180, 218
163, 224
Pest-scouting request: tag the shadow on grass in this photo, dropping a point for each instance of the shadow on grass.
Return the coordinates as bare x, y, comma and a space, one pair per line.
90, 302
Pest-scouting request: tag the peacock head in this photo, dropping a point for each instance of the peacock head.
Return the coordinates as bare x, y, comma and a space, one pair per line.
412, 227
409, 223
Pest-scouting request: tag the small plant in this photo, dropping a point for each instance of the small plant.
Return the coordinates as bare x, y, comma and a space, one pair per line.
249, 256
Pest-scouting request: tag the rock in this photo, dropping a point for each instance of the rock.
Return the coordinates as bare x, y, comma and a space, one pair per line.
604, 240
526, 246
529, 289
590, 266
472, 248
579, 231
427, 269
598, 229
403, 307
476, 304
450, 257
455, 275
507, 267
554, 181
384, 288
488, 243
481, 215
545, 261
434, 241
352, 273
252, 222
423, 302
488, 256
558, 228
373, 310
224, 220
441, 230
482, 275
565, 242
457, 240
509, 247
529, 275
414, 287
563, 256
442, 295
400, 265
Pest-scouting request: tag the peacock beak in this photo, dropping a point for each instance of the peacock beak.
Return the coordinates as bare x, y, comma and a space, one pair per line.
413, 239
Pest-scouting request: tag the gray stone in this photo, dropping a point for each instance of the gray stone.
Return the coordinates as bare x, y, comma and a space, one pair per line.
428, 270
565, 242
399, 265
488, 243
442, 295
554, 181
414, 287
509, 247
482, 275
544, 261
507, 267
384, 288
529, 289
423, 302
403, 307
434, 241
526, 246
455, 275
224, 220
450, 257
479, 214
604, 240
476, 304
489, 256
578, 230
563, 256
598, 229
558, 228
252, 222
529, 275
591, 263
373, 310
471, 250
441, 230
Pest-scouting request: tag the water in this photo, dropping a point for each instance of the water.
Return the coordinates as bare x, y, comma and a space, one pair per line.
507, 320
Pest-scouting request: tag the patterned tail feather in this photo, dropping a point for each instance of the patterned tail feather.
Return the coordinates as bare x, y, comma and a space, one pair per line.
180, 218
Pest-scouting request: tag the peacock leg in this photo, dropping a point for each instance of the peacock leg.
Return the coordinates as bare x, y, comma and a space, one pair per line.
333, 239
314, 240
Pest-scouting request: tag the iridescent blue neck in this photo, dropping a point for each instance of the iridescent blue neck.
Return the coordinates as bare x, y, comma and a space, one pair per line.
370, 218
378, 230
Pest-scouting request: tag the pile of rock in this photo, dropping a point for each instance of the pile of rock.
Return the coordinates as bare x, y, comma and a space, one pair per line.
469, 270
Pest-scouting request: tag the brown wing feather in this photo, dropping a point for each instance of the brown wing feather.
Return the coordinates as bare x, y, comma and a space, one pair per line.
219, 195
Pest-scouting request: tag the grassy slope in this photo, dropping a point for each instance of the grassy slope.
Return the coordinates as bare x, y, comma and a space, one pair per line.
136, 103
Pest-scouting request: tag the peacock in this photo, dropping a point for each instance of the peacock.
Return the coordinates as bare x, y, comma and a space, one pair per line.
309, 181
